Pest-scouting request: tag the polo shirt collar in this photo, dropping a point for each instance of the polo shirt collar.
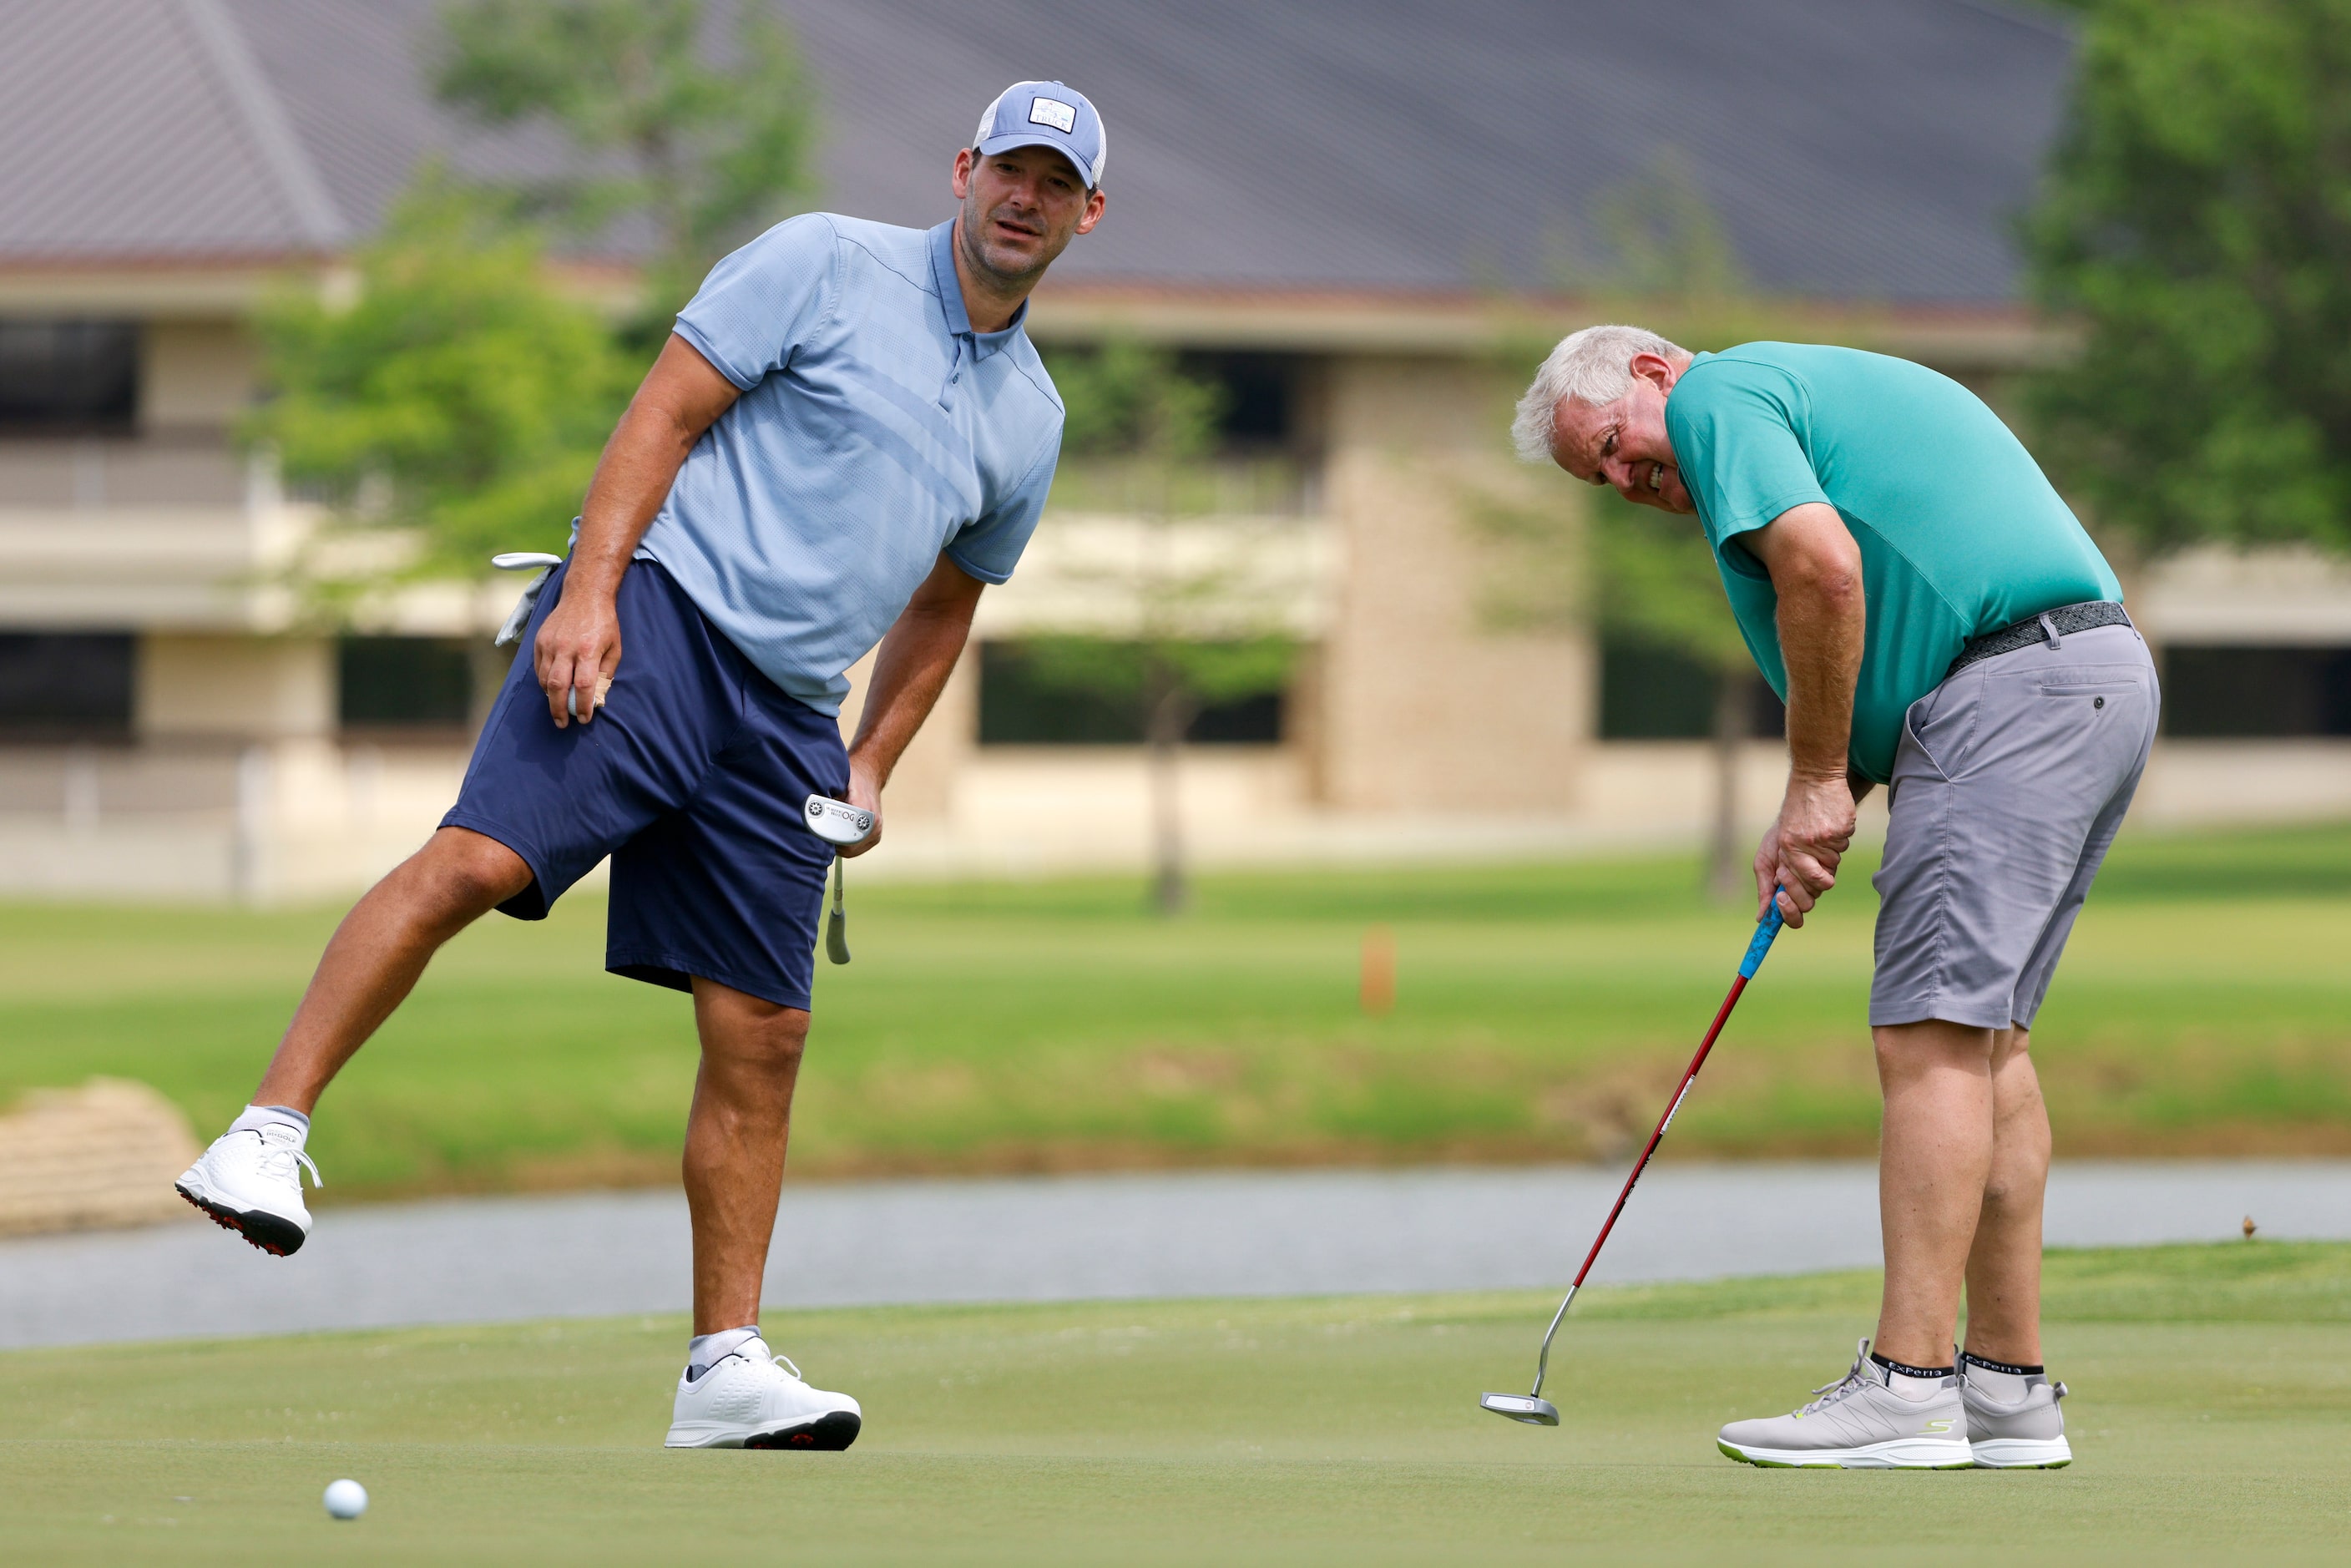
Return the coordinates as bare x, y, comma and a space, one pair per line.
943, 278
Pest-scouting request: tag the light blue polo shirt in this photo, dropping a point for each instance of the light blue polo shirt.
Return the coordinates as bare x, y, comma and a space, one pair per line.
875, 430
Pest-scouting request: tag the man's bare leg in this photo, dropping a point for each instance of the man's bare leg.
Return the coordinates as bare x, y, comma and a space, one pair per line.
377, 952
1934, 1158
2004, 1265
735, 1141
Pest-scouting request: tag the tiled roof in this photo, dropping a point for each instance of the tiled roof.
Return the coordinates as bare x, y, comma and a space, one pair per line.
1851, 149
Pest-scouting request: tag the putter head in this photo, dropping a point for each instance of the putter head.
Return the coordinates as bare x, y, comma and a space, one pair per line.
837, 822
1524, 1407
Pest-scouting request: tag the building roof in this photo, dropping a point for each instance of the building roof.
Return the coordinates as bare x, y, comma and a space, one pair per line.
1871, 149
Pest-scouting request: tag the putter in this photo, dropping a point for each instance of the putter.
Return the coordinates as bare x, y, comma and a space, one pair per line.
524, 561
838, 823
1531, 1407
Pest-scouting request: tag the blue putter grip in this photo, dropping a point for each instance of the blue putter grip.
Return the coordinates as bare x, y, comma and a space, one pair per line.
1765, 930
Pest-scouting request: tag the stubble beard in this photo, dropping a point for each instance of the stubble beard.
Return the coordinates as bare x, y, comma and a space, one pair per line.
986, 266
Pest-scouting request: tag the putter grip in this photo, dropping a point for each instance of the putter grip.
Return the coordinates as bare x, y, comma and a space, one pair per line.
836, 921
1765, 930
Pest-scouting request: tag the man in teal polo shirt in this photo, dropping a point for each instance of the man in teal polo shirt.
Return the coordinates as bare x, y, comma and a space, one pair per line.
1938, 622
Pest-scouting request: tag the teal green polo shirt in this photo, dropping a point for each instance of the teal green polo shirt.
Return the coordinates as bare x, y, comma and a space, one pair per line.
1961, 532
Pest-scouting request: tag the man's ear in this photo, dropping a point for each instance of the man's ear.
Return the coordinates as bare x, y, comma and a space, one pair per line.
1657, 370
967, 160
1095, 201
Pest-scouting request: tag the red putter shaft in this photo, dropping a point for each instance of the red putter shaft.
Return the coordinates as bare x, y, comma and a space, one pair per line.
1656, 1137
1532, 1408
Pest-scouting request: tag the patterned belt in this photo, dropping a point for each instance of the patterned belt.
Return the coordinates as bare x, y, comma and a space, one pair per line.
2046, 627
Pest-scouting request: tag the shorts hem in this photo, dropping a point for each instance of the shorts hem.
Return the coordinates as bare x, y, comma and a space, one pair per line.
678, 972
531, 908
1894, 1015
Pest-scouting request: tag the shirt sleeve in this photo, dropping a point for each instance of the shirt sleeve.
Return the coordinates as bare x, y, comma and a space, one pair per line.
989, 546
1737, 430
763, 302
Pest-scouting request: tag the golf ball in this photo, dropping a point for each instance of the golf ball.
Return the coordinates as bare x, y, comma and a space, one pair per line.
346, 1499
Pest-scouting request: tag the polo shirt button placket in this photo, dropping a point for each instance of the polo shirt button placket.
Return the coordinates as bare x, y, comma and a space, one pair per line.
954, 375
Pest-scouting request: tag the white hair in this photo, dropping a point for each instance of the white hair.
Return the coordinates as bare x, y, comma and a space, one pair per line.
1594, 366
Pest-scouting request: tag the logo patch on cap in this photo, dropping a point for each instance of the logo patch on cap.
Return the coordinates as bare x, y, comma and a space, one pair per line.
1052, 111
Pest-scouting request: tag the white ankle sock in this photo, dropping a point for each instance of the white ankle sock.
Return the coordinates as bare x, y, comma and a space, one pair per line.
705, 1351
1912, 1383
257, 1117
1998, 1381
1913, 1388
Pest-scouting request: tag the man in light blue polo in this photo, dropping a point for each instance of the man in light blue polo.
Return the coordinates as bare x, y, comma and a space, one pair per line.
848, 436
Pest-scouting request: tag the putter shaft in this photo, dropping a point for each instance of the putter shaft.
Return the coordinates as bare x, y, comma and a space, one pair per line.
1766, 930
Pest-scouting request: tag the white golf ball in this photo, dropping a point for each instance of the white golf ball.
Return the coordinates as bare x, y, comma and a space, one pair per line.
346, 1499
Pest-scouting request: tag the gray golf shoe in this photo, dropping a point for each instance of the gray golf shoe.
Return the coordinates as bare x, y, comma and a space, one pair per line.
1858, 1423
2029, 1435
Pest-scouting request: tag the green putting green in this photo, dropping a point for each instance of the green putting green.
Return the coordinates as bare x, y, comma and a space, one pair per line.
2211, 1417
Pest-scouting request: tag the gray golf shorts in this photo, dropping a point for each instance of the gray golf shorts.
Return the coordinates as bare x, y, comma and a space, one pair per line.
2011, 781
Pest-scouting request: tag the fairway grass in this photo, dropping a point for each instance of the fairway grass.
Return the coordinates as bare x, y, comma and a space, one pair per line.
2211, 1417
1542, 1012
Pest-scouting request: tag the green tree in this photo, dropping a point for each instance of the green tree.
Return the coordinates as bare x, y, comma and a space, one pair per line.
1203, 633
710, 152
2197, 222
454, 397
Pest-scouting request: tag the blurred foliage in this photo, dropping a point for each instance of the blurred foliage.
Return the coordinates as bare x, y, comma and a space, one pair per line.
2197, 221
1131, 404
455, 394
1210, 673
710, 152
1662, 238
1658, 584
1129, 399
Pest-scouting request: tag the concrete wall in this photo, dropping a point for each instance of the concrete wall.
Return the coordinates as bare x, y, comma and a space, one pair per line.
1421, 691
234, 688
195, 375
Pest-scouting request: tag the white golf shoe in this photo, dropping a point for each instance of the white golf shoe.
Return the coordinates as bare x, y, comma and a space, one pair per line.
1860, 1423
754, 1398
250, 1181
2028, 1435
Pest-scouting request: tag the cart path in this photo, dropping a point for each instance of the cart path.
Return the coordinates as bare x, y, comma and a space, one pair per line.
1220, 1233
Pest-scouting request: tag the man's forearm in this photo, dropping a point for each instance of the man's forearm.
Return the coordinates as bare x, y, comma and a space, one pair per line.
632, 479
910, 670
1821, 621
680, 398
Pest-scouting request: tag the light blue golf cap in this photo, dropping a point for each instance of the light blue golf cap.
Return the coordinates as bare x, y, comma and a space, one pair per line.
1046, 114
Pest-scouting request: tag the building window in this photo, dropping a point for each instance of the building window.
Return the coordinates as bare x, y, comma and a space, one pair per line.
66, 685
2252, 693
1259, 398
68, 378
405, 683
1648, 692
1023, 704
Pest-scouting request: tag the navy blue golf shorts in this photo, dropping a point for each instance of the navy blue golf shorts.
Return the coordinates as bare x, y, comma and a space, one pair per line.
691, 777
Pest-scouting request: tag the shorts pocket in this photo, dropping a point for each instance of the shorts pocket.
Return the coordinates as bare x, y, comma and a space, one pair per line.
1934, 724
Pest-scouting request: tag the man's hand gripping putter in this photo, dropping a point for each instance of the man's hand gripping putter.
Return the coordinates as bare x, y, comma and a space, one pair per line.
841, 824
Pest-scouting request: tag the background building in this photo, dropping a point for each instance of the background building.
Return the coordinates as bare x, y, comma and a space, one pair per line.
1366, 258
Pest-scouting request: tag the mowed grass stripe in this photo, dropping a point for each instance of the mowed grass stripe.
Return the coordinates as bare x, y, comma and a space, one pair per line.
2211, 1414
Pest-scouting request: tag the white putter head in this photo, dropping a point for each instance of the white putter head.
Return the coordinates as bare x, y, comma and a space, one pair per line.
1524, 1407
525, 560
837, 822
